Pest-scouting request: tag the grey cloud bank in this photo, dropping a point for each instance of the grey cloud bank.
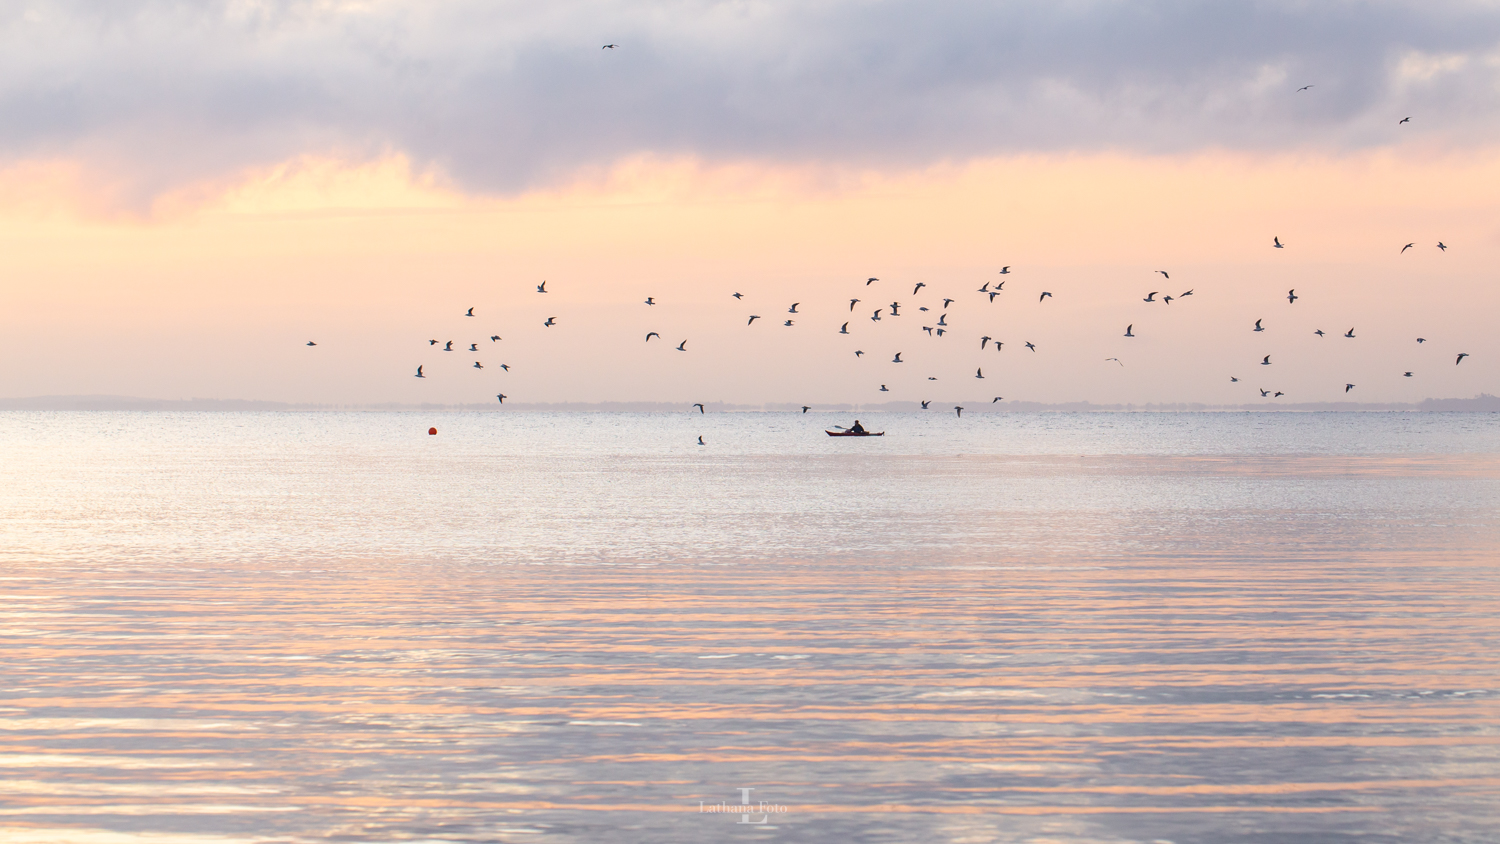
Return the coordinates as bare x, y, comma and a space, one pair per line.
507, 96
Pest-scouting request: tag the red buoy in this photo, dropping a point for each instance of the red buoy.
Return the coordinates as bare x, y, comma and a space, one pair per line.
432, 432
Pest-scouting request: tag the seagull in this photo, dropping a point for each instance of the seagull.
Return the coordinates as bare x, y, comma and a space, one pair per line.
448, 347
1318, 332
931, 378
897, 358
852, 303
541, 288
551, 321
1461, 356
844, 329
1403, 120
876, 316
1266, 361
1044, 295
700, 440
1303, 88
959, 411
739, 295
983, 340
793, 308
753, 318
895, 309
478, 365
942, 319
650, 300
1276, 242
1005, 270
805, 408
505, 366
1349, 333
1278, 394
470, 313
1406, 247
419, 373
985, 288
1264, 393
1127, 330
919, 286
1421, 339
1406, 375
652, 334
883, 389
1441, 246
311, 343
611, 47
993, 294
432, 342
502, 397
1258, 326
698, 405
925, 403
857, 352
1029, 346
473, 347
787, 324
1291, 296
1164, 274
1348, 387
1166, 300
979, 373
494, 337
1233, 380
870, 281
947, 302
1150, 297
928, 329
996, 398
682, 347
1189, 293
1116, 360
941, 331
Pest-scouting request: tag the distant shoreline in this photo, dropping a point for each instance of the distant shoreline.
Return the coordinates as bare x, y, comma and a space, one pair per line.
1480, 403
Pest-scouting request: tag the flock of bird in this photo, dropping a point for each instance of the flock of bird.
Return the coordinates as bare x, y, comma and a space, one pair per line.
932, 314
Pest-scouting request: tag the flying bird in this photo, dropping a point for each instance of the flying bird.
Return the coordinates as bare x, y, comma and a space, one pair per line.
611, 47
1406, 247
1349, 333
1264, 393
996, 398
419, 373
1421, 339
947, 302
1278, 394
1441, 246
470, 313
478, 365
1044, 295
505, 366
870, 281
925, 403
857, 352
1116, 360
551, 321
895, 309
852, 303
541, 288
698, 405
942, 319
1303, 88
1266, 361
1406, 375
1461, 356
1128, 328
1348, 387
311, 343
494, 337
1150, 297
1166, 300
1189, 293
650, 300
753, 318
985, 288
897, 358
805, 408
983, 340
1258, 326
919, 286
700, 440
1164, 274
793, 308
448, 347
1233, 380
1276, 242
993, 294
739, 295
979, 372
1403, 120
959, 411
876, 316
473, 347
928, 329
502, 397
1029, 346
883, 389
1318, 332
652, 334
1291, 296
787, 324
941, 331
1005, 270
682, 347
432, 342
844, 329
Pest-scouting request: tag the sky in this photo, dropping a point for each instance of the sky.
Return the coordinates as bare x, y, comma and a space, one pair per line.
190, 192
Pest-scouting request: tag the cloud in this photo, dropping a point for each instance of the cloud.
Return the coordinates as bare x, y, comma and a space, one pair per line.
502, 97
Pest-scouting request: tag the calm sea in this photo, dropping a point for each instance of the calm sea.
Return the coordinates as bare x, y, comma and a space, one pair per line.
324, 627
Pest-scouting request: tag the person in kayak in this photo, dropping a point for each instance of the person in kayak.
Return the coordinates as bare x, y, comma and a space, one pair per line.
857, 428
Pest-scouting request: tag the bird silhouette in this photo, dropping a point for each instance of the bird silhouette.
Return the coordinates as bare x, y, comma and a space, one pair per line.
753, 318
1441, 246
1029, 346
494, 337
883, 389
1406, 247
652, 334
876, 316
984, 288
478, 365
432, 342
551, 321
419, 373
1164, 274
1150, 297
682, 347
928, 329
1403, 120
787, 324
895, 309
311, 343
1258, 326
983, 340
844, 329
1044, 295
473, 347
979, 372
1128, 330
805, 408
942, 319
505, 366
1166, 300
941, 331
1318, 332
1348, 387
897, 358
541, 288
1303, 88
1266, 361
1233, 380
1460, 359
650, 300
1291, 296
700, 440
609, 46
1349, 333
738, 295
1421, 339
1116, 360
870, 281
1406, 375
947, 302
1264, 393
857, 352
996, 398
448, 347
1278, 394
925, 403
502, 397
1005, 270
699, 405
919, 286
793, 308
852, 303
959, 411
1276, 242
1189, 293
470, 313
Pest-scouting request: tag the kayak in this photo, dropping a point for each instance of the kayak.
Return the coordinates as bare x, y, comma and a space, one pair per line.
855, 433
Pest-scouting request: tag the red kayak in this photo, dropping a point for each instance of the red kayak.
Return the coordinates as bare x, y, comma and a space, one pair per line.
855, 433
